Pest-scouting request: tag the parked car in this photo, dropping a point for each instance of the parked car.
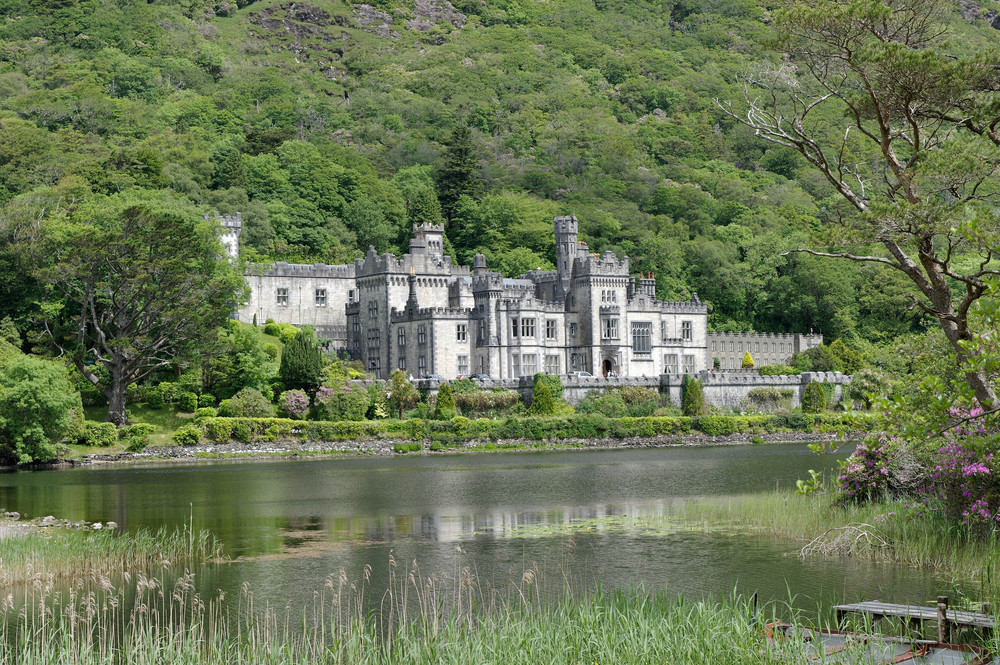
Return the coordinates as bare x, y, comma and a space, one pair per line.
581, 374
480, 377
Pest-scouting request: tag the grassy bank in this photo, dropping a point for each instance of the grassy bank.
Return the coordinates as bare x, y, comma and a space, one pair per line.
50, 554
888, 531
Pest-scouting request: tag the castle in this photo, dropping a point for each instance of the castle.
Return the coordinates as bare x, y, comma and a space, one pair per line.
427, 316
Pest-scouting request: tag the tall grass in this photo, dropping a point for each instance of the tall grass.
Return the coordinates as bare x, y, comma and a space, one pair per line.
420, 621
68, 554
887, 531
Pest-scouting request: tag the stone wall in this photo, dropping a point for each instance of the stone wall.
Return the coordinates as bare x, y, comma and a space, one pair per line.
722, 389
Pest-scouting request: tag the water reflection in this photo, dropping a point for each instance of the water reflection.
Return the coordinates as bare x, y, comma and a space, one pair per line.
586, 517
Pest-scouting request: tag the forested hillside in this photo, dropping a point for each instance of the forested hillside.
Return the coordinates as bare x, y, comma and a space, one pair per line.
334, 125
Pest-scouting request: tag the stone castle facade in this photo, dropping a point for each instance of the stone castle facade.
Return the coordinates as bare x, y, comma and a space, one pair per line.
427, 316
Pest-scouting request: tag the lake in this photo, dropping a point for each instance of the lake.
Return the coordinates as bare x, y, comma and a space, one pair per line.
579, 518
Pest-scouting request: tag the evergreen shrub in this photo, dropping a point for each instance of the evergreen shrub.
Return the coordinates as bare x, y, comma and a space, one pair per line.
693, 397
814, 398
98, 435
206, 412
444, 406
206, 399
188, 435
187, 402
542, 401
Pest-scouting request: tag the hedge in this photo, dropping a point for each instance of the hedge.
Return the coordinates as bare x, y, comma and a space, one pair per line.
578, 426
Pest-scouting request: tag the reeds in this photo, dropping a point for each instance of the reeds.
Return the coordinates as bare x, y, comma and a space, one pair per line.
68, 554
888, 531
420, 620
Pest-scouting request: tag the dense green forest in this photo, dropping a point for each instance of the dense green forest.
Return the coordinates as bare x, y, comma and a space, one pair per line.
333, 126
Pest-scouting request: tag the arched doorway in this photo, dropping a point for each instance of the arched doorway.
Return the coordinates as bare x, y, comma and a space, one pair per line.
607, 367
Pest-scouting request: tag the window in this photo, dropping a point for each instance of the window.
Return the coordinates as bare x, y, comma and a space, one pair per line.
739, 347
756, 346
527, 327
461, 332
572, 330
374, 364
686, 331
513, 327
421, 365
374, 343
463, 365
321, 297
609, 328
574, 361
529, 364
732, 347
281, 297
401, 336
670, 363
421, 334
664, 332
350, 295
774, 347
689, 364
482, 364
482, 329
550, 329
551, 364
515, 363
402, 362
642, 337
372, 309
713, 346
782, 347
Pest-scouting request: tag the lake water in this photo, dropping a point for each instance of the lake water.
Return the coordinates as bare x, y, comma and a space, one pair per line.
579, 517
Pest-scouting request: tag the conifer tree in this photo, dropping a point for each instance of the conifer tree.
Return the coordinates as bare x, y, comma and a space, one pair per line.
402, 394
444, 407
424, 208
542, 402
460, 173
814, 399
301, 363
692, 396
747, 361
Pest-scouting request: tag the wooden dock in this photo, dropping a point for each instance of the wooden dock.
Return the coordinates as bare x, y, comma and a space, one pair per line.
942, 615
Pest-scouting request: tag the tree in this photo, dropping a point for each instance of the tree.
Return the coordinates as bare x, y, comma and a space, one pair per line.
239, 360
402, 394
813, 398
301, 363
915, 157
38, 406
747, 361
138, 286
444, 406
692, 396
460, 172
542, 403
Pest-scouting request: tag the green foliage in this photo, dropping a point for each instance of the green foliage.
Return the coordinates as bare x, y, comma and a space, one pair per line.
768, 398
402, 394
692, 397
849, 361
135, 437
542, 400
98, 435
187, 402
301, 363
206, 412
154, 399
777, 370
813, 398
206, 399
608, 404
406, 447
188, 435
444, 405
38, 406
478, 402
747, 361
238, 360
114, 244
8, 332
249, 403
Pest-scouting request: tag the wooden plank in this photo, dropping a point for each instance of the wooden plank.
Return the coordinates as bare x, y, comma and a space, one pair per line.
874, 607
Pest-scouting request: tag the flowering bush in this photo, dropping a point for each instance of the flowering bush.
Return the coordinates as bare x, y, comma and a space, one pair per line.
865, 474
963, 471
294, 403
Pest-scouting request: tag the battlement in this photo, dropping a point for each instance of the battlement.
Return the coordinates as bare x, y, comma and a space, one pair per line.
534, 305
568, 224
755, 335
303, 270
605, 264
680, 307
430, 313
233, 222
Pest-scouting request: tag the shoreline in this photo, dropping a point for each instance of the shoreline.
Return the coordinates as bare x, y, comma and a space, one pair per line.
352, 449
